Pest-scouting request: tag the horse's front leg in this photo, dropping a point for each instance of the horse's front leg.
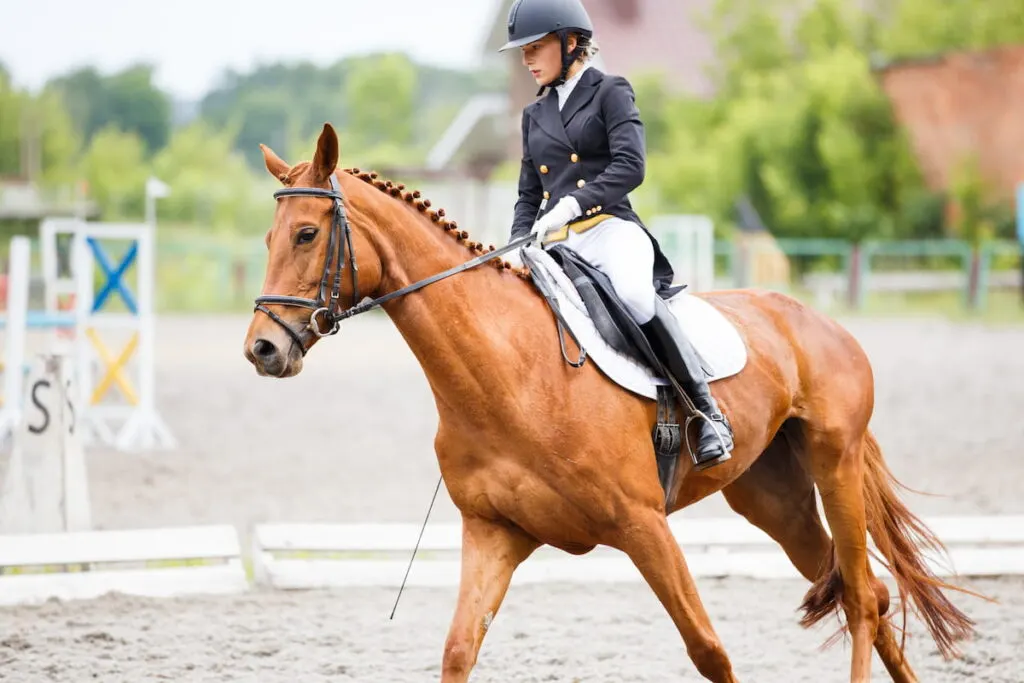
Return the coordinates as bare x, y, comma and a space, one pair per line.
490, 554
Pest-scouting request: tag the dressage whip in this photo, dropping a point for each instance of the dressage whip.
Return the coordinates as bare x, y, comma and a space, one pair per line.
409, 568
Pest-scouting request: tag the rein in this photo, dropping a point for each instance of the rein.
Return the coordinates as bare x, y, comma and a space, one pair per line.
327, 311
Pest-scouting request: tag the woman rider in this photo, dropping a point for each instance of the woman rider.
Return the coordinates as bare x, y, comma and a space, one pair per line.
583, 152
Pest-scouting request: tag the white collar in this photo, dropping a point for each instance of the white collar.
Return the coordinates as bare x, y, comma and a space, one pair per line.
566, 88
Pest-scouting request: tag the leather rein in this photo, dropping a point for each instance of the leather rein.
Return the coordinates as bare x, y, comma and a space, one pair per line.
327, 312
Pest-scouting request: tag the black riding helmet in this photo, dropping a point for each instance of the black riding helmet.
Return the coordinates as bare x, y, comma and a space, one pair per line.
530, 20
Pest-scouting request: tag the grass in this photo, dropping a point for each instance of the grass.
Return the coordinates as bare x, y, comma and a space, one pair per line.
1003, 307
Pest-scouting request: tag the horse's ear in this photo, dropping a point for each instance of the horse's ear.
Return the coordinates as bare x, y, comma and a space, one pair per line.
277, 167
325, 161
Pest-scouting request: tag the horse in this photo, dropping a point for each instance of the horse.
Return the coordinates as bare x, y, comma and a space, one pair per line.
535, 451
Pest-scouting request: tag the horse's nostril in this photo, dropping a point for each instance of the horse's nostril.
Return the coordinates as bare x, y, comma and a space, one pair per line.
264, 348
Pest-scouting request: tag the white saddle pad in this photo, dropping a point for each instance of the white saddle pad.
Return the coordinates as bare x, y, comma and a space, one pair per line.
716, 339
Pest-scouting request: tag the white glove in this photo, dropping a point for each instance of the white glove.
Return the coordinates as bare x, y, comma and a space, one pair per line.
515, 258
565, 210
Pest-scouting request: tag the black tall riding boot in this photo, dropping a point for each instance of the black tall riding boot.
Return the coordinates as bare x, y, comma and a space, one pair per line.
681, 359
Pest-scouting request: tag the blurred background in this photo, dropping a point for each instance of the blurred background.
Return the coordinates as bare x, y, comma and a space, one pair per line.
861, 154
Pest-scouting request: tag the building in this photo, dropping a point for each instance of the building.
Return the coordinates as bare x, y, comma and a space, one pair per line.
962, 106
23, 200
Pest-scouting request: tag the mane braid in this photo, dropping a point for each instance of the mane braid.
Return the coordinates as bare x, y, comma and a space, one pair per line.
415, 198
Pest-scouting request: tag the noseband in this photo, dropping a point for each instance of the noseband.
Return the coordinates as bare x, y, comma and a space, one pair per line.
327, 312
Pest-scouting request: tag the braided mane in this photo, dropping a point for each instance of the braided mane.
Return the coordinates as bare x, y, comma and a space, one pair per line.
416, 199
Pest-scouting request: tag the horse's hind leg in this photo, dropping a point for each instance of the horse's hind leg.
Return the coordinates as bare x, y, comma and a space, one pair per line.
649, 542
836, 459
777, 495
490, 554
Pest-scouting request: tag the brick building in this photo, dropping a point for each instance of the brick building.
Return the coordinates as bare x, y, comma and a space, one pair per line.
962, 104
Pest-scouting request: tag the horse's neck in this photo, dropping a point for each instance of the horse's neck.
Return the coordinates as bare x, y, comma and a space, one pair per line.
461, 328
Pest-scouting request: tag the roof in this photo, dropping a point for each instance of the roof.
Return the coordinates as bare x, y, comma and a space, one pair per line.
474, 126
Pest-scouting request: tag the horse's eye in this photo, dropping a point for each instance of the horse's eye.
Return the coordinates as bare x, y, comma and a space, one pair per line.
306, 235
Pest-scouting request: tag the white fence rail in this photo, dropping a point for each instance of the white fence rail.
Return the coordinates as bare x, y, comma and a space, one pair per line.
290, 556
162, 562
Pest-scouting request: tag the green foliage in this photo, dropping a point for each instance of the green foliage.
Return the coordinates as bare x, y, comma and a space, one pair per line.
12, 107
211, 185
114, 168
113, 131
799, 124
61, 141
384, 96
925, 27
127, 100
275, 105
46, 118
381, 96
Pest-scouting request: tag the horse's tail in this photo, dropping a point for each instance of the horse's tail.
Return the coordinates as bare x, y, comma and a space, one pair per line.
900, 537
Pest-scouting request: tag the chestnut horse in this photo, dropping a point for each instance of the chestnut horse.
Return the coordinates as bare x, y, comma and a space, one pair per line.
535, 451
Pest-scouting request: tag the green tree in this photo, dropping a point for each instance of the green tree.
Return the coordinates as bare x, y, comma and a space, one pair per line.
12, 106
210, 182
61, 141
285, 106
924, 27
381, 97
45, 119
798, 126
114, 168
128, 100
137, 105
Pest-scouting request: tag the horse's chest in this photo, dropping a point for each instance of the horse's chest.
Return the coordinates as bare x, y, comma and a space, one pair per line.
541, 500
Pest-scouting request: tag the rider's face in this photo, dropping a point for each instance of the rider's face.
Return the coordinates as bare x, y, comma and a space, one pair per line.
544, 59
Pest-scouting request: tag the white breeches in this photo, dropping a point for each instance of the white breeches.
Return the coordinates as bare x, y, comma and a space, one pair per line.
621, 250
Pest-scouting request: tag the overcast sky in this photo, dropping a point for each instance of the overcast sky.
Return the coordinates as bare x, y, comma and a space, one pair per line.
192, 41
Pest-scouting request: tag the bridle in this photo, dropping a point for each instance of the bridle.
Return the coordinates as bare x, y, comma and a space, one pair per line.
326, 308
327, 312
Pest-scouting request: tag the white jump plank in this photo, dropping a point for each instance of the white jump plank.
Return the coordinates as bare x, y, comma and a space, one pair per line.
1004, 529
327, 573
163, 582
448, 537
356, 537
688, 532
714, 547
133, 545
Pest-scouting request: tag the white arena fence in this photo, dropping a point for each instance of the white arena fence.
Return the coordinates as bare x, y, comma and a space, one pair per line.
209, 560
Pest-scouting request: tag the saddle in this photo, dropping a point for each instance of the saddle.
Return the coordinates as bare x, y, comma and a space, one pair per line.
586, 307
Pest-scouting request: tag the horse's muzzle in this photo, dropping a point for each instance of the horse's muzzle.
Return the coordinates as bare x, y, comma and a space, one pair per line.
271, 360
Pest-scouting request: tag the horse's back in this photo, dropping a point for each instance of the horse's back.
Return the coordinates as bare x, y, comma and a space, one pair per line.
821, 361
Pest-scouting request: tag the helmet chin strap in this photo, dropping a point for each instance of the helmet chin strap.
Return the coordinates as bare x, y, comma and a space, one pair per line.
567, 60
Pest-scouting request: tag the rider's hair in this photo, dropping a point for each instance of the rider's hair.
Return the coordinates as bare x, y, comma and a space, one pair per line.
586, 48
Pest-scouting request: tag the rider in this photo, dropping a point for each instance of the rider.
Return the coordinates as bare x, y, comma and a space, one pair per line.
583, 152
